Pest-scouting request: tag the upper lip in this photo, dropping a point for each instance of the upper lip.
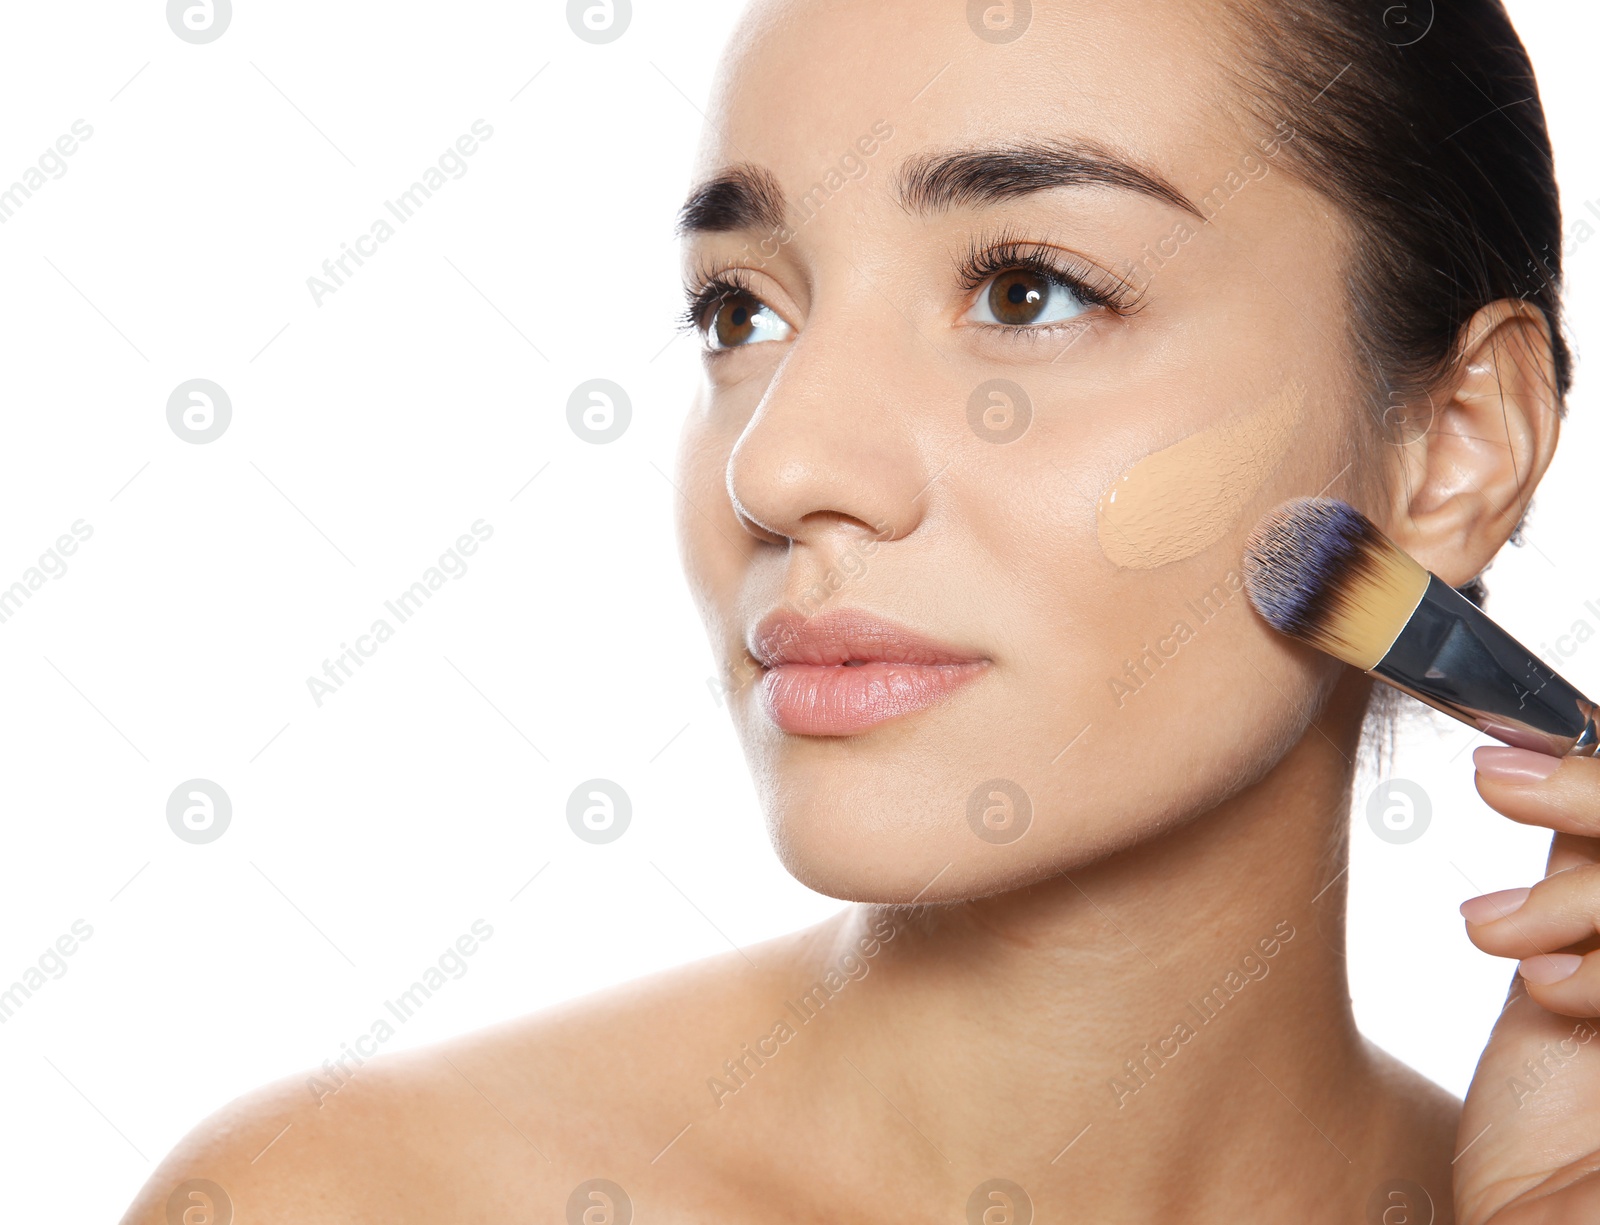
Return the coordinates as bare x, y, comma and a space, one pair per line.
843, 636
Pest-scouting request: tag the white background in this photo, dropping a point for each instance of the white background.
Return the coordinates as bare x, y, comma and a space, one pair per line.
367, 434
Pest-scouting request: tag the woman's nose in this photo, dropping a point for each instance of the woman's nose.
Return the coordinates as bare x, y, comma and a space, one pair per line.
834, 438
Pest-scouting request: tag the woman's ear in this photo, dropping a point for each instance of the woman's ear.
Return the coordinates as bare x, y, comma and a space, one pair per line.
1469, 461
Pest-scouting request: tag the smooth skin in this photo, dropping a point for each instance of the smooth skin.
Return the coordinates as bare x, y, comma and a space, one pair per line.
1191, 830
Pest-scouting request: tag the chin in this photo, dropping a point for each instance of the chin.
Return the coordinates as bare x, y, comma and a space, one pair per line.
996, 789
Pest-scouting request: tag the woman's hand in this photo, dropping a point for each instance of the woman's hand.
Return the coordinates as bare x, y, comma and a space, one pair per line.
1528, 1152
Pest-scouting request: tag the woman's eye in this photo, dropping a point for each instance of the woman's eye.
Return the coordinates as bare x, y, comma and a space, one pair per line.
739, 319
1023, 297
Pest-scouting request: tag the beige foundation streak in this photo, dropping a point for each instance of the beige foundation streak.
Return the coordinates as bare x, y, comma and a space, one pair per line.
1180, 500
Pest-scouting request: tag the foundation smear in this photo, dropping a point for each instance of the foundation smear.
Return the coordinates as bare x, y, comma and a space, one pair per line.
1178, 501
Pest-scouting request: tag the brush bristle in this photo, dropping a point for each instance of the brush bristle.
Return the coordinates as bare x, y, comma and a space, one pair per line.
1320, 571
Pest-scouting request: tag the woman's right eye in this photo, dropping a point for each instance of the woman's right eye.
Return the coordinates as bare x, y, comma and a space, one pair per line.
739, 319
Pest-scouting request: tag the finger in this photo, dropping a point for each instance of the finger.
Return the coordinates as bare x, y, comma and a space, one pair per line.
1559, 911
1565, 983
1569, 851
1575, 1201
1561, 793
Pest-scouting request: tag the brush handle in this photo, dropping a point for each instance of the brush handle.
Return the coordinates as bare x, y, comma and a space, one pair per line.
1453, 657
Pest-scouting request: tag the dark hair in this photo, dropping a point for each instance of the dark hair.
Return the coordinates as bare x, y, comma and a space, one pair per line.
1422, 122
1426, 128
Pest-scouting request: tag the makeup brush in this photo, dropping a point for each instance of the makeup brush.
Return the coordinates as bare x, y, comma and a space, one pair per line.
1318, 570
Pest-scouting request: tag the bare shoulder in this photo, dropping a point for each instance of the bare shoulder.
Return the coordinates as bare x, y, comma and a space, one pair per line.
1414, 1128
516, 1119
1419, 1106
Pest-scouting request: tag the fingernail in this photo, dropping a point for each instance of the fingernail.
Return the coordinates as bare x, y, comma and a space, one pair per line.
1504, 764
1549, 968
1492, 906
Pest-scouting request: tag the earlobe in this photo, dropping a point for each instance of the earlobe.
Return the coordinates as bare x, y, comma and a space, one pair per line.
1470, 463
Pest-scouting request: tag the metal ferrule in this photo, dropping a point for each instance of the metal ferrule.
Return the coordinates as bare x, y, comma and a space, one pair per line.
1454, 658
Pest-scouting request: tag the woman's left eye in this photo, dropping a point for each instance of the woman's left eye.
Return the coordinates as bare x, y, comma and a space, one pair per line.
740, 319
1022, 297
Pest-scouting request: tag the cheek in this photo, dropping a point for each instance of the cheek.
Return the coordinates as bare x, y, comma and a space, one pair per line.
1137, 694
1178, 501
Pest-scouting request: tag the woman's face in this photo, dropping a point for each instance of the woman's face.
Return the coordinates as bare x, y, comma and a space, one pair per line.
1010, 343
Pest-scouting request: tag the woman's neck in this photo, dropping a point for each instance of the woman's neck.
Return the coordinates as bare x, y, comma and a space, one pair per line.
1130, 1028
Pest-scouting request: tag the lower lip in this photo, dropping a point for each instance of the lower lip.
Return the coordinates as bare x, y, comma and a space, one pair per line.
837, 700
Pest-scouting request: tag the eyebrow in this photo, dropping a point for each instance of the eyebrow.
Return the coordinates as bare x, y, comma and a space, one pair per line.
748, 197
962, 178
741, 197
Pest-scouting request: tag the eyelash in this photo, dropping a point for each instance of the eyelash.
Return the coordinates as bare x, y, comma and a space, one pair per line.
714, 288
1089, 283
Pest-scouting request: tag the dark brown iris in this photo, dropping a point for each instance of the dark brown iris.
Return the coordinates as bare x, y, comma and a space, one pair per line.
1018, 297
734, 321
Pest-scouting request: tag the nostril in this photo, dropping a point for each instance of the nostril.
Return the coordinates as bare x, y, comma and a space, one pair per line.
755, 528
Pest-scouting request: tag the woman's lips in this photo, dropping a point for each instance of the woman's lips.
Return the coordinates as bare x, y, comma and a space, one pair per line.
838, 699
843, 672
